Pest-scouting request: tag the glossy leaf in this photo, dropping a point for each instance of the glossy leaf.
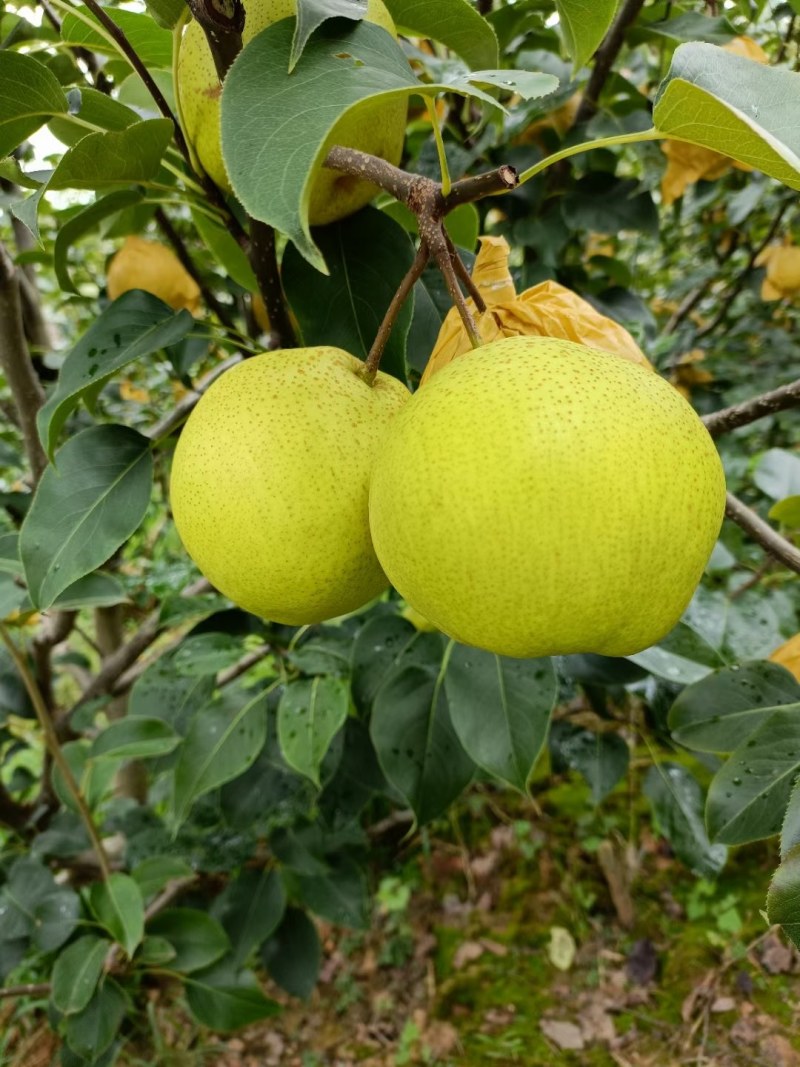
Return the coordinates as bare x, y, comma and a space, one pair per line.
602, 758
790, 830
735, 106
55, 919
198, 939
93, 591
312, 13
29, 95
250, 908
76, 973
224, 739
90, 1031
500, 709
339, 895
778, 473
132, 327
293, 955
378, 648
223, 998
677, 801
310, 714
749, 795
152, 43
721, 711
85, 508
368, 256
173, 698
135, 738
117, 903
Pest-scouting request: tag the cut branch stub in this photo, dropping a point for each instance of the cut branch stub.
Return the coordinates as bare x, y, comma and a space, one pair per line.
223, 23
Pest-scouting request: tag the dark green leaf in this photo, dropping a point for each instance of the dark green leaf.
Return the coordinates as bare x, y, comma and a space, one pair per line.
198, 939
790, 831
677, 801
93, 591
312, 13
76, 973
91, 1031
224, 999
719, 713
735, 106
134, 326
55, 918
96, 109
368, 256
310, 714
122, 157
749, 795
417, 747
783, 899
85, 221
206, 654
602, 758
377, 649
135, 737
603, 203
293, 955
117, 904
500, 709
250, 909
29, 95
690, 26
162, 693
340, 895
224, 739
84, 508
155, 872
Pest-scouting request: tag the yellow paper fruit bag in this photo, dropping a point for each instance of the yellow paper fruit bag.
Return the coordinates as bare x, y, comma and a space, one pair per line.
788, 656
545, 310
151, 266
783, 271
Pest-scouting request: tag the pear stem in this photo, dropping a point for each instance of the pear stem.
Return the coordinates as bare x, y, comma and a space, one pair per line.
373, 360
465, 276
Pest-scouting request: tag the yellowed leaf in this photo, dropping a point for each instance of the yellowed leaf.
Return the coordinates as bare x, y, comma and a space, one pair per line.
687, 372
545, 310
151, 266
562, 948
129, 391
788, 655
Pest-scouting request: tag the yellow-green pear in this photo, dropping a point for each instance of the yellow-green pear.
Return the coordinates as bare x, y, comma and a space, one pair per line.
270, 483
538, 497
377, 128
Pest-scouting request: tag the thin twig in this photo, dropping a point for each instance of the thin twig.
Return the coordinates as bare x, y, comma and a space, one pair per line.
243, 665
31, 989
412, 276
434, 237
54, 748
222, 312
762, 533
465, 276
727, 419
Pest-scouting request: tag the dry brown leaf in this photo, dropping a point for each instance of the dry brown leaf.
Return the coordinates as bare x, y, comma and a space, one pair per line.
545, 310
788, 656
564, 1034
151, 266
467, 952
778, 1051
723, 1004
775, 956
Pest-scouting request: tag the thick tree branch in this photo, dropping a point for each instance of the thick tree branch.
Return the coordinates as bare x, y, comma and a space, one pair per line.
16, 364
222, 22
762, 533
727, 419
264, 261
604, 58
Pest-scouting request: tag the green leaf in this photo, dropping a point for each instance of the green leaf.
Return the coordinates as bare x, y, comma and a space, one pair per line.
155, 952
719, 713
786, 511
293, 956
90, 1032
778, 473
677, 801
224, 999
500, 709
783, 899
226, 250
206, 653
602, 758
76, 973
790, 830
454, 23
198, 939
603, 203
99, 160
55, 918
380, 645
312, 13
339, 895
368, 255
749, 795
166, 12
29, 95
98, 109
691, 26
584, 26
154, 873
224, 739
11, 595
152, 43
161, 693
271, 163
417, 747
85, 221
744, 109
310, 714
135, 738
250, 908
668, 665
93, 591
84, 508
117, 904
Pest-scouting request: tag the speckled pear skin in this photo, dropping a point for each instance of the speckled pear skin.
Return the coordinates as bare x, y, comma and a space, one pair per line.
270, 483
378, 128
537, 497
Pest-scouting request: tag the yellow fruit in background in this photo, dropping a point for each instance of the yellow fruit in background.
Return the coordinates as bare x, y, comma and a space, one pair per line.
270, 483
783, 271
538, 497
378, 128
151, 266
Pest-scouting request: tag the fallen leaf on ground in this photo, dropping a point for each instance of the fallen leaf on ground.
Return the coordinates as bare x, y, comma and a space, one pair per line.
564, 1034
562, 948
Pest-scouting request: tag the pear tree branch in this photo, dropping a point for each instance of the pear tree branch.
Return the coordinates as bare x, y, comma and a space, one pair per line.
758, 407
762, 533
